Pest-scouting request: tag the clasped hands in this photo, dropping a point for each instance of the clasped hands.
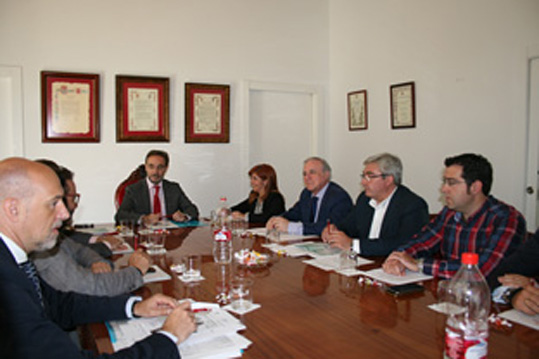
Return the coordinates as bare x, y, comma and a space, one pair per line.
180, 320
527, 300
153, 218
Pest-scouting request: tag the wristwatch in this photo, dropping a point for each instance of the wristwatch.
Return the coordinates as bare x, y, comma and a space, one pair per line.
508, 294
419, 263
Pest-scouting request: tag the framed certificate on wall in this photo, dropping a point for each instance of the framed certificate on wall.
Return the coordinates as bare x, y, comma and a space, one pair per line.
207, 113
69, 107
403, 105
142, 109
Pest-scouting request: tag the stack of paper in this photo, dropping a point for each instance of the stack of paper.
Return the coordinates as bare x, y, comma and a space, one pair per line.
333, 263
216, 336
155, 274
409, 277
284, 237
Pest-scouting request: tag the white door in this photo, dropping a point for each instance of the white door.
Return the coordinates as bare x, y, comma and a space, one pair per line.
11, 119
282, 129
532, 178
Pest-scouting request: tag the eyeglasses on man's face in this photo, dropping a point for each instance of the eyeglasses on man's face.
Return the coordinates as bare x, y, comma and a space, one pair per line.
74, 196
451, 181
370, 176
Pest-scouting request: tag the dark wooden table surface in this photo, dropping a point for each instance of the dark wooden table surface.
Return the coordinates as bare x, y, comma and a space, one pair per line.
310, 313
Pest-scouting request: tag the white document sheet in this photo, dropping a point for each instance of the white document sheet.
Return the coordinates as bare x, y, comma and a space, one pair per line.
216, 336
409, 277
285, 237
155, 275
531, 321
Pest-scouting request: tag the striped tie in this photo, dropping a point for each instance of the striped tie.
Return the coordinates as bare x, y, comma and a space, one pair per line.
30, 269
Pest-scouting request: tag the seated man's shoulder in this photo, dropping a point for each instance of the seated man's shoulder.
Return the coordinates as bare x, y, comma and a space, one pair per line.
502, 209
409, 197
336, 190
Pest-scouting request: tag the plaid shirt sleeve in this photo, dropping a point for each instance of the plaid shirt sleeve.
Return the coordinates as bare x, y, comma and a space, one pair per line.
495, 234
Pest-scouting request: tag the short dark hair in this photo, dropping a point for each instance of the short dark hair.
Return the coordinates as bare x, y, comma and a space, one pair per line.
160, 153
63, 173
474, 168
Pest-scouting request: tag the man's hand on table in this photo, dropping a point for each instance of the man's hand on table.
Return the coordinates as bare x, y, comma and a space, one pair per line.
398, 262
140, 260
279, 223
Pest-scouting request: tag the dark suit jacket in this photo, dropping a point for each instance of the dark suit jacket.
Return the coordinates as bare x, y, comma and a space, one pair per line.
29, 331
137, 202
335, 205
525, 261
273, 205
406, 214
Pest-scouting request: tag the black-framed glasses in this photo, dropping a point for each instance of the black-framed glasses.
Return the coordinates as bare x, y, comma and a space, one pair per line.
370, 176
75, 196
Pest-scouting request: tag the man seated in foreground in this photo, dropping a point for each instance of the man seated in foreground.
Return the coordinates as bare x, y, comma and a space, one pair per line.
32, 314
71, 266
471, 221
103, 244
386, 214
154, 197
319, 202
518, 275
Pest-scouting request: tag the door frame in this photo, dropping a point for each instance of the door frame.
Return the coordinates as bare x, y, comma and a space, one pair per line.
532, 130
15, 134
315, 139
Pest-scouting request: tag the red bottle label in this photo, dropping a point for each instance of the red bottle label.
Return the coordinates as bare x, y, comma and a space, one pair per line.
458, 347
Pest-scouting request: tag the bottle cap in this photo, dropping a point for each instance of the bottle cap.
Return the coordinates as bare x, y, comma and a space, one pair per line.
470, 258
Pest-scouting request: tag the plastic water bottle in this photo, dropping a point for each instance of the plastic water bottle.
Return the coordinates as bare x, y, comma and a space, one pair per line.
222, 245
222, 212
466, 331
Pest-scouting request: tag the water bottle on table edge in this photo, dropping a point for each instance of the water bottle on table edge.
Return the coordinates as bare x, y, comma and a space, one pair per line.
466, 331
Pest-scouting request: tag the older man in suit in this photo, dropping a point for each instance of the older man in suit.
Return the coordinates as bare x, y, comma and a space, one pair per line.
386, 214
153, 197
319, 202
33, 314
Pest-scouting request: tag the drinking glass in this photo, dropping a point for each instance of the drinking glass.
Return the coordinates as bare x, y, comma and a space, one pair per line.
156, 242
192, 266
273, 235
241, 294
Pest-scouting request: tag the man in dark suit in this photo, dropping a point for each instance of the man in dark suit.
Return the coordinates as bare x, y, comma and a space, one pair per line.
148, 200
319, 202
386, 214
33, 315
515, 280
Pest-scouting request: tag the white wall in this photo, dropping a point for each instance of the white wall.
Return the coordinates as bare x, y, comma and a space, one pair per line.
212, 41
468, 59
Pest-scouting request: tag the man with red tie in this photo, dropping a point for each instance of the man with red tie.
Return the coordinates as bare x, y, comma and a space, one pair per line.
153, 197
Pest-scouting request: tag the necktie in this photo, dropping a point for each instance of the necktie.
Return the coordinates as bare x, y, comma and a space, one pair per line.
314, 202
156, 201
30, 269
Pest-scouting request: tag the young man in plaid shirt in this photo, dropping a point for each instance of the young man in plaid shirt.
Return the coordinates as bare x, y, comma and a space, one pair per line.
471, 221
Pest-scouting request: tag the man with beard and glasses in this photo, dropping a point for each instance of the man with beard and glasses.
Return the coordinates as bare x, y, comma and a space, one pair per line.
154, 197
471, 221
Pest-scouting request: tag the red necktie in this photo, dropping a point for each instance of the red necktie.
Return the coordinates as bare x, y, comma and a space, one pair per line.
156, 201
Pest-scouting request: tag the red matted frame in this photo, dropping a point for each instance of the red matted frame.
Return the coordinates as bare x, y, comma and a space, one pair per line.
358, 116
207, 113
63, 94
151, 94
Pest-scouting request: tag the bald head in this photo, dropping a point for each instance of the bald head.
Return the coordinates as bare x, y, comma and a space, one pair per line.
31, 204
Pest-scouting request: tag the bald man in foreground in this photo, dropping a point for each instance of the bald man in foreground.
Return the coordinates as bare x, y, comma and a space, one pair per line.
33, 315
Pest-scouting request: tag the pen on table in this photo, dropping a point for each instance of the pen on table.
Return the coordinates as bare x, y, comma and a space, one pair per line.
329, 226
198, 310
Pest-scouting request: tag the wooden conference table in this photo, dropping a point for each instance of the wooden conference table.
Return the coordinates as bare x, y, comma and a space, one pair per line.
310, 313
